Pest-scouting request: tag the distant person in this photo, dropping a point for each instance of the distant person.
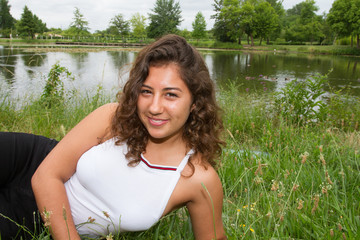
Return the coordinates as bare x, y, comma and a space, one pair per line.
126, 164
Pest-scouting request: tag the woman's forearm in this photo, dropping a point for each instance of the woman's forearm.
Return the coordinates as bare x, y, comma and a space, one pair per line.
54, 207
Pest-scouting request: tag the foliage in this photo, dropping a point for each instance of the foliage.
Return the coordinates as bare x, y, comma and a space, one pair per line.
231, 16
265, 20
303, 24
79, 26
138, 25
220, 29
26, 26
301, 102
53, 92
199, 26
6, 19
165, 19
121, 25
344, 18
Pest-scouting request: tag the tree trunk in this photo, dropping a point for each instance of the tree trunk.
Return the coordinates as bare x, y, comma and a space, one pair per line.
239, 41
252, 39
248, 39
268, 41
358, 41
260, 41
352, 40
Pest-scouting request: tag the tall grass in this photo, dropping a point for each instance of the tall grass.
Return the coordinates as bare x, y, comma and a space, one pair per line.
282, 178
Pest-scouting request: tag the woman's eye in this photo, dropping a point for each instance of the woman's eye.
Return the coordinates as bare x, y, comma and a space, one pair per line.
171, 95
145, 91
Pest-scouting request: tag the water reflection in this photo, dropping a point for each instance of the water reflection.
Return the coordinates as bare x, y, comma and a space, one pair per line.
23, 73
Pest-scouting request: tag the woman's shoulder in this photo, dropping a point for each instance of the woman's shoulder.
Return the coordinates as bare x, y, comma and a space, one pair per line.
203, 174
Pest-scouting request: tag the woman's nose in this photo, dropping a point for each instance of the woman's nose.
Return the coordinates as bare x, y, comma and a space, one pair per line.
156, 106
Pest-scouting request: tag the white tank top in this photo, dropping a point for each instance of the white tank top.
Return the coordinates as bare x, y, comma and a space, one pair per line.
117, 196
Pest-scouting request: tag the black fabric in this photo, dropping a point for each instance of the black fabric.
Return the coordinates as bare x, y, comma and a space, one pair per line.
20, 155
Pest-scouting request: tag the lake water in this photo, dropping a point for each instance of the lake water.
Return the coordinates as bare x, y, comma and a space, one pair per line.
23, 72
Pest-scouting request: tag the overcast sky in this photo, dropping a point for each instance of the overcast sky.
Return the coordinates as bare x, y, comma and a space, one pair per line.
59, 13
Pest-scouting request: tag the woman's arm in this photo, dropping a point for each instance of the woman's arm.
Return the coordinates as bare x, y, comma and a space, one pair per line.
206, 212
48, 180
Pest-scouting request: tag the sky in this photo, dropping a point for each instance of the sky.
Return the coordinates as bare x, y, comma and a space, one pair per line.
98, 13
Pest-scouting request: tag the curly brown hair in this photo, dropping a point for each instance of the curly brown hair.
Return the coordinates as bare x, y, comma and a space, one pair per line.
203, 127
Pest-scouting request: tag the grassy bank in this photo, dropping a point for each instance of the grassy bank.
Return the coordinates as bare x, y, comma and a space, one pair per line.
288, 171
206, 43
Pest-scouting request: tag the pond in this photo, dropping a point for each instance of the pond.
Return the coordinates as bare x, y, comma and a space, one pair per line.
23, 72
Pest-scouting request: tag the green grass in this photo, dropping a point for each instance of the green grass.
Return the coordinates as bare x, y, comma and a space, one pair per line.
281, 179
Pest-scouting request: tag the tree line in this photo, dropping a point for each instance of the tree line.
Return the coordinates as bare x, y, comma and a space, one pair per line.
234, 21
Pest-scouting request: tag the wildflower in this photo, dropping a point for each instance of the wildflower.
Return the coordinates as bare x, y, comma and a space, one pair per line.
252, 125
247, 89
238, 210
344, 236
252, 230
64, 213
322, 159
295, 187
304, 157
258, 180
259, 169
91, 220
321, 148
331, 232
280, 194
275, 186
300, 204
106, 214
109, 237
46, 215
268, 214
340, 227
316, 204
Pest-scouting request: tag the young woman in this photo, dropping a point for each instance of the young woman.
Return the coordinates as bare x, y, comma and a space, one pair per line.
128, 164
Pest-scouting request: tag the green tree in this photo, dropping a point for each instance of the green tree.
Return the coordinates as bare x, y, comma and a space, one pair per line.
122, 26
40, 25
199, 26
344, 18
79, 26
6, 20
279, 9
230, 14
220, 30
303, 23
265, 20
247, 12
26, 26
138, 25
166, 18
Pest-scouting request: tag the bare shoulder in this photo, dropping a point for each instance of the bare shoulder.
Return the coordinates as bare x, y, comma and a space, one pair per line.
203, 176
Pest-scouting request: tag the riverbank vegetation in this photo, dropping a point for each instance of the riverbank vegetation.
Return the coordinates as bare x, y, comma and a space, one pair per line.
290, 169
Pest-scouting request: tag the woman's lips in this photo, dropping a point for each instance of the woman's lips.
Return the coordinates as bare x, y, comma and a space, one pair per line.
157, 122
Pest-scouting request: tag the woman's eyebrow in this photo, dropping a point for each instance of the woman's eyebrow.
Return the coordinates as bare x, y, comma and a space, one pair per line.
172, 88
165, 89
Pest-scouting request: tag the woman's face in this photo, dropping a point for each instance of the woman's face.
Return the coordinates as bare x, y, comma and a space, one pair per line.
164, 103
